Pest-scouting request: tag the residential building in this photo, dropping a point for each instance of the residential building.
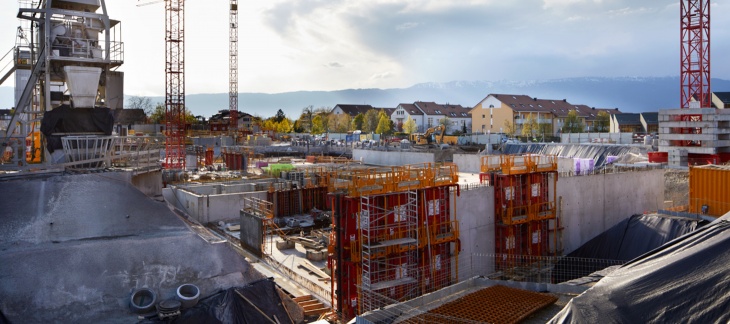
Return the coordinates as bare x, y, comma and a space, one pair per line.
650, 122
352, 110
403, 112
498, 113
721, 100
430, 114
221, 121
626, 123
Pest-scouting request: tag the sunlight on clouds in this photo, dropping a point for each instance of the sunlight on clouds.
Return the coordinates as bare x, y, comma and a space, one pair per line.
548, 4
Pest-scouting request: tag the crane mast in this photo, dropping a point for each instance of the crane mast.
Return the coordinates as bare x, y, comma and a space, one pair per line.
695, 53
175, 84
233, 67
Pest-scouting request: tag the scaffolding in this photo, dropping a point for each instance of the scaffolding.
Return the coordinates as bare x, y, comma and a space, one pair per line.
394, 234
388, 235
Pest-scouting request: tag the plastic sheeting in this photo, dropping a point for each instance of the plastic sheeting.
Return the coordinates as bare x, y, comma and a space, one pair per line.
598, 152
684, 281
67, 120
255, 303
624, 241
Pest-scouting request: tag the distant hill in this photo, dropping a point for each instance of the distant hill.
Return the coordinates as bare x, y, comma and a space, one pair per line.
629, 94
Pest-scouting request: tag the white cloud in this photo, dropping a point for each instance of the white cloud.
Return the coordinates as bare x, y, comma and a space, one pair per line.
383, 75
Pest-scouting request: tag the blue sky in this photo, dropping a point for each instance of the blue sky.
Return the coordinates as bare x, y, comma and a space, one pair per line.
290, 45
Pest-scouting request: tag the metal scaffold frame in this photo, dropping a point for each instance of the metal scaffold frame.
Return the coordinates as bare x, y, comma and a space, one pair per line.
388, 236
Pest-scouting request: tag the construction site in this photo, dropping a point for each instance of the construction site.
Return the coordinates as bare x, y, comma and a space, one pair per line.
226, 228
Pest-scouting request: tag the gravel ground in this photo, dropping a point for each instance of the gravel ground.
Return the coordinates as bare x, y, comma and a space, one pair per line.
676, 187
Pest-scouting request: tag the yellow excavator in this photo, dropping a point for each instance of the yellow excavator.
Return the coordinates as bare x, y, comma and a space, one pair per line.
433, 135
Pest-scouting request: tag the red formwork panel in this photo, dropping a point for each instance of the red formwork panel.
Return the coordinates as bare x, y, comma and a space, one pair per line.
511, 199
538, 238
440, 271
395, 267
542, 204
435, 205
343, 256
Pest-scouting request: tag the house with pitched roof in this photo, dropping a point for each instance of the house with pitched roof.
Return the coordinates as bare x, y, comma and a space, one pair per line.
221, 121
430, 114
721, 100
626, 123
352, 110
496, 113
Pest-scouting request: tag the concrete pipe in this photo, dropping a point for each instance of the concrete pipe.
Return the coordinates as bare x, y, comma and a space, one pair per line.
142, 300
188, 295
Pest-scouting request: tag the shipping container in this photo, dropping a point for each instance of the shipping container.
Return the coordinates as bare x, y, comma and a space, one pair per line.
709, 190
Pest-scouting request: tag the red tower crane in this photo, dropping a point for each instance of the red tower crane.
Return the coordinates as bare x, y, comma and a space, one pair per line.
175, 84
233, 66
695, 53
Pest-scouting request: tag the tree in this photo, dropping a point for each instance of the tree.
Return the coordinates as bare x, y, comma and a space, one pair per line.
410, 127
284, 126
318, 125
158, 114
358, 122
383, 124
371, 121
138, 102
529, 127
339, 123
307, 117
573, 124
446, 121
602, 122
509, 127
279, 117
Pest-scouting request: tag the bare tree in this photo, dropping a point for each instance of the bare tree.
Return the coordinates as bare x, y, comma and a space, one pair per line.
138, 102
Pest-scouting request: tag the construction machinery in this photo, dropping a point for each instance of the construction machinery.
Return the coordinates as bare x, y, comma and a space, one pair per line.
433, 135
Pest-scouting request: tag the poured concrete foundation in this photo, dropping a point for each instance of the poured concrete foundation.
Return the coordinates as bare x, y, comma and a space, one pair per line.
74, 247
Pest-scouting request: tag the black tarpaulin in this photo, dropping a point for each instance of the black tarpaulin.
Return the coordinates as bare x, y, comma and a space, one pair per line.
67, 121
258, 302
687, 280
624, 241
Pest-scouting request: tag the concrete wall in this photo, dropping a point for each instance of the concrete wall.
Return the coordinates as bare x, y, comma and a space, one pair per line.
211, 208
468, 162
593, 204
391, 157
252, 230
475, 213
614, 137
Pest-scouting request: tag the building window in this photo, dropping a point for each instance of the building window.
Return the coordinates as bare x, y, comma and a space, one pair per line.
483, 116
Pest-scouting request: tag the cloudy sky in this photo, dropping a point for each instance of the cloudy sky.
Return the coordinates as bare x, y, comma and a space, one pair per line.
289, 45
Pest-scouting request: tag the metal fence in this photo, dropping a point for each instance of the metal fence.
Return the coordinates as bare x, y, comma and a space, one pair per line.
97, 152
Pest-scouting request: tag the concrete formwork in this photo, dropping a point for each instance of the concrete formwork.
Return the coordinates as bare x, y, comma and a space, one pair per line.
591, 205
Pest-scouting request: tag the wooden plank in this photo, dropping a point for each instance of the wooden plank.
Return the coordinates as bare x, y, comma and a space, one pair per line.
316, 311
303, 298
311, 307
